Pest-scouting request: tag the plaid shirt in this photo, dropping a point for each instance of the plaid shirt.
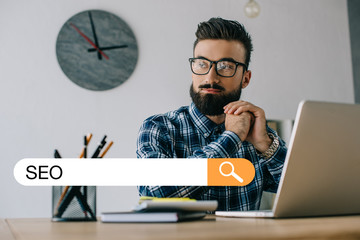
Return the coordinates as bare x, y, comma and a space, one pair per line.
187, 133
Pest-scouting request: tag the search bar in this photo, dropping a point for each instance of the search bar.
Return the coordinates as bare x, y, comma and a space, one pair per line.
134, 172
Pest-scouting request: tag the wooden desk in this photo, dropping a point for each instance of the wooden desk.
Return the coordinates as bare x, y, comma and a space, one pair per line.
5, 232
210, 228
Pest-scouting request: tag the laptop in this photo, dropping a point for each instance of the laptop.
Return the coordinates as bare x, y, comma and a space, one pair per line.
321, 174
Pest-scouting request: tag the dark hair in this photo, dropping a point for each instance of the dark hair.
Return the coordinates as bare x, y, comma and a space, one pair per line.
219, 28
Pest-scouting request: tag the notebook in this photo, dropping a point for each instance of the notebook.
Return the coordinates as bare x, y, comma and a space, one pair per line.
150, 217
196, 206
321, 173
163, 210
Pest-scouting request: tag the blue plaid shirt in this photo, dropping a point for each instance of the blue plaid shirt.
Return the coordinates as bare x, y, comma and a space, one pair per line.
187, 133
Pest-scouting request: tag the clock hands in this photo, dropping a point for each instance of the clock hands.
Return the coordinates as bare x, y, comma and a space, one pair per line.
88, 39
96, 46
107, 48
94, 33
96, 40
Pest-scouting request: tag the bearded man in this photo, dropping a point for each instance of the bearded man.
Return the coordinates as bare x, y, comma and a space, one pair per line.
217, 124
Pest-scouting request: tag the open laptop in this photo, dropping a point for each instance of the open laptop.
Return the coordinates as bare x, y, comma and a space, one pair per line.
321, 174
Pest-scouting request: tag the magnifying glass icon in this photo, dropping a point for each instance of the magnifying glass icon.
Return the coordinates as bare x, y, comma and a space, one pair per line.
232, 173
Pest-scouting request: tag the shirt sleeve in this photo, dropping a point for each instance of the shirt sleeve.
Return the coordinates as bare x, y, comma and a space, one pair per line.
155, 141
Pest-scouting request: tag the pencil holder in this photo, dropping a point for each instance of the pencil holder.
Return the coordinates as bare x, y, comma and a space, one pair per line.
74, 203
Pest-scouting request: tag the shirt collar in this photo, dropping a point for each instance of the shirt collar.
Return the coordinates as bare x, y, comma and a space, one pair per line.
202, 122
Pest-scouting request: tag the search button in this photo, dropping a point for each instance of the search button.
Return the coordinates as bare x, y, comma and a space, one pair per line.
230, 172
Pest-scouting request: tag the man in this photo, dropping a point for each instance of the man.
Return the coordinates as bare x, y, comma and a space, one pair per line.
217, 124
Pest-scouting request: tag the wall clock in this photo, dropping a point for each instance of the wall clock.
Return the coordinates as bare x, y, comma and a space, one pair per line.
96, 50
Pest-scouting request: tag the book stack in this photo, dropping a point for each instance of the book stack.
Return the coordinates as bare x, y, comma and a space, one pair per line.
151, 210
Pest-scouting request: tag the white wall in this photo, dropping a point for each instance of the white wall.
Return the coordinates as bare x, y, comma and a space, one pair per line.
301, 51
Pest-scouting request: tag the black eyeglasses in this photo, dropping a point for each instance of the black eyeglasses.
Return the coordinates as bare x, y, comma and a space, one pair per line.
224, 67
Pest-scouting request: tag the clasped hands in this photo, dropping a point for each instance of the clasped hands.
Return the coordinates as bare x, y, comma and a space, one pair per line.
248, 122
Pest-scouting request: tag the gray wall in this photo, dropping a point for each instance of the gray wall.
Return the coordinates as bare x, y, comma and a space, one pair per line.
302, 51
354, 20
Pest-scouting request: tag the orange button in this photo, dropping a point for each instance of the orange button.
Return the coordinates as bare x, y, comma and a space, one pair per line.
230, 172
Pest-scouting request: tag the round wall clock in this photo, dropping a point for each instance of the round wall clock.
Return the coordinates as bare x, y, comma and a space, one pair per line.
96, 50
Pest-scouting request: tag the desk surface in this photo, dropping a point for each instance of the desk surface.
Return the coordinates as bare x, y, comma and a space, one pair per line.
347, 227
5, 232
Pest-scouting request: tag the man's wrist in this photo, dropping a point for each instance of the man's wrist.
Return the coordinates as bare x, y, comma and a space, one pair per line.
264, 145
272, 148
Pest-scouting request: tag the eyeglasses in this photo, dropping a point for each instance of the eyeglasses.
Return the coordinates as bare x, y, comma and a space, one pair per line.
224, 67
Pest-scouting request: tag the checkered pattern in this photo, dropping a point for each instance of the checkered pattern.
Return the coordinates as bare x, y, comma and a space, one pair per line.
187, 133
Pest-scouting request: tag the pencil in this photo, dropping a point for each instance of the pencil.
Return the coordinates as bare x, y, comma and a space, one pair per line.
61, 198
85, 147
66, 189
99, 148
88, 138
106, 149
57, 154
85, 187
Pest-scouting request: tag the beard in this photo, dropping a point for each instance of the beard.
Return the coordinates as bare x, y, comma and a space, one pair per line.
213, 104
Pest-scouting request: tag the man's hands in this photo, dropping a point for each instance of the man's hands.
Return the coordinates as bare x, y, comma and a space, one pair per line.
249, 123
